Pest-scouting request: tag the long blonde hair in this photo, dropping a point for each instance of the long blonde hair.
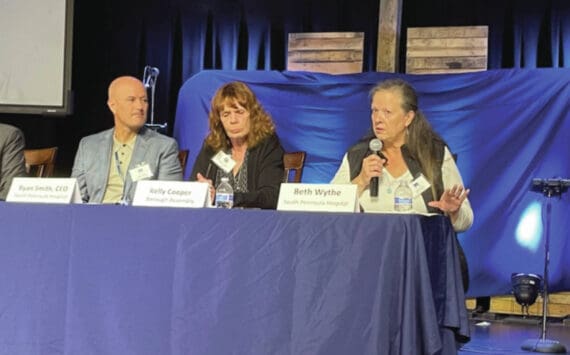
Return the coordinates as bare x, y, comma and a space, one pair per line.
230, 94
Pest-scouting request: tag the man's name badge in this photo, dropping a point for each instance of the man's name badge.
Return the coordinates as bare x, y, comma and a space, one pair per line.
140, 172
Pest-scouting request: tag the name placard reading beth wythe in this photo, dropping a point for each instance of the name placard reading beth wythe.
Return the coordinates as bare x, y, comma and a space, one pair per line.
317, 197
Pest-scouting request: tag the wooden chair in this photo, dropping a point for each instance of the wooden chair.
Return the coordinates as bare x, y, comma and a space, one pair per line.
183, 157
40, 162
294, 161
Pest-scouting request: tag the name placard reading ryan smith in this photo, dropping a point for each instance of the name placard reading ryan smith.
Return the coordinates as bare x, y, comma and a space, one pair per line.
44, 190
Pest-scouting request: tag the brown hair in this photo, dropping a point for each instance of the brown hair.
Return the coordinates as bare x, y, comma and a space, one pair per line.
230, 94
422, 141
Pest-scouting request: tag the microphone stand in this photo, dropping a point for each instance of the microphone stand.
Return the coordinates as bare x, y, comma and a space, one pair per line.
149, 80
549, 188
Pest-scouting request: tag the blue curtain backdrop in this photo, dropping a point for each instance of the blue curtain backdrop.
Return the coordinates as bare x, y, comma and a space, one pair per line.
184, 37
507, 127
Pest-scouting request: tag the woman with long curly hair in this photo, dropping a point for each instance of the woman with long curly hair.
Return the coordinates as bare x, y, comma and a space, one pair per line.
242, 130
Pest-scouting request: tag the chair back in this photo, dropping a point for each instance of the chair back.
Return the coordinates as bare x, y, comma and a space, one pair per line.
183, 157
293, 161
40, 162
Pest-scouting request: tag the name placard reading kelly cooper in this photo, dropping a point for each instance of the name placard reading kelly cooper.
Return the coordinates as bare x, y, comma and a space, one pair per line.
44, 190
171, 194
317, 197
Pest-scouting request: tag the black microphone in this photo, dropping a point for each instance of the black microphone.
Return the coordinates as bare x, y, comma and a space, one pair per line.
375, 146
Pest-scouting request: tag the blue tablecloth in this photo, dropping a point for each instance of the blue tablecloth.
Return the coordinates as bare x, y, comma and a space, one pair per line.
85, 279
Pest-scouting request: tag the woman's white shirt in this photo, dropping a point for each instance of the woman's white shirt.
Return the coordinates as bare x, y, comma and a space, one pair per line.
387, 184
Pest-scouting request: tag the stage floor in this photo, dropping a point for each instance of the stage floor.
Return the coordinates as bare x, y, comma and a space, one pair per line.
496, 334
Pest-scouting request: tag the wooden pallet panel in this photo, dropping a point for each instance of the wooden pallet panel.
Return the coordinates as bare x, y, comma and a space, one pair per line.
326, 52
431, 50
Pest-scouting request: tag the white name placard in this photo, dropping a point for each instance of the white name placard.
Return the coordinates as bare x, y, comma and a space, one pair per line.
317, 197
44, 190
171, 194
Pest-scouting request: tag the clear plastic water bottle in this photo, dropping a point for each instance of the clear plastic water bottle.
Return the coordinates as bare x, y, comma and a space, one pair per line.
403, 197
224, 194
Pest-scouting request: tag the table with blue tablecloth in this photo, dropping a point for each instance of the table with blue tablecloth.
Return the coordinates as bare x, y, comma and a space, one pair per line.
104, 279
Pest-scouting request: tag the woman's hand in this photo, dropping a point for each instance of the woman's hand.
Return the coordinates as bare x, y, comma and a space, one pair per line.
451, 200
201, 178
371, 167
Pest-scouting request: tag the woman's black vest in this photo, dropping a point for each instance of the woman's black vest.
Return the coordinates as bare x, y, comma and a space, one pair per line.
359, 151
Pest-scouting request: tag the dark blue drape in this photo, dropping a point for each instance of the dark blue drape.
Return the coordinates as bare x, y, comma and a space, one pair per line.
507, 127
182, 38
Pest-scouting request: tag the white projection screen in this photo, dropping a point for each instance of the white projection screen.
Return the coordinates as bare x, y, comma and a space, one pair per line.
35, 56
